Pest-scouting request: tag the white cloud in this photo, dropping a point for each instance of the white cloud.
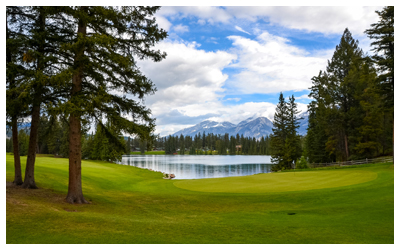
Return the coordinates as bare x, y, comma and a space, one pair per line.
181, 28
303, 97
209, 13
242, 30
324, 19
189, 81
270, 64
233, 99
162, 22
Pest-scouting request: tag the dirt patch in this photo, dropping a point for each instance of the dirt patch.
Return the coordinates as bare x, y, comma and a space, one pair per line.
18, 195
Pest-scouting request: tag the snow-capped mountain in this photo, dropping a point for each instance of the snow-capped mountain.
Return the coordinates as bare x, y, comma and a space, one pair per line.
251, 127
209, 127
258, 127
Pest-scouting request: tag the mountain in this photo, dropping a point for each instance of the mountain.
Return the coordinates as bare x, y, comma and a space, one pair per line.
251, 127
303, 123
209, 127
258, 127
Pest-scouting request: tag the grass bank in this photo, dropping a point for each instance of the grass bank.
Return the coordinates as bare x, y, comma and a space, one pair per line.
132, 205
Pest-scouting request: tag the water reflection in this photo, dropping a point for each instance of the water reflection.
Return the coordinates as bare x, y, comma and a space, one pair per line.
201, 166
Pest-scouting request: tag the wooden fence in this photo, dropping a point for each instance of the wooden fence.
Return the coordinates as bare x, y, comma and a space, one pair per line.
348, 163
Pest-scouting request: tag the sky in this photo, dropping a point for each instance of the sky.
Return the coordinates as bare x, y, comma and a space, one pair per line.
231, 63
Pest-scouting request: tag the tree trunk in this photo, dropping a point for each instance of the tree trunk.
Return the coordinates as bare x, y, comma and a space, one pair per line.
29, 181
17, 160
75, 194
14, 124
346, 147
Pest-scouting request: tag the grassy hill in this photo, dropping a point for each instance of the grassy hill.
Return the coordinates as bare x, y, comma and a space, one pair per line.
132, 205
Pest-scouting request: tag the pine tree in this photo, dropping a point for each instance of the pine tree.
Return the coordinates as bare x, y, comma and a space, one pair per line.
103, 61
41, 71
333, 125
382, 33
182, 145
370, 117
232, 146
338, 68
316, 138
292, 146
278, 138
16, 104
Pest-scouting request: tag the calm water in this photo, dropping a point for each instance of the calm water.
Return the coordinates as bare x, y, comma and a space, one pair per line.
201, 166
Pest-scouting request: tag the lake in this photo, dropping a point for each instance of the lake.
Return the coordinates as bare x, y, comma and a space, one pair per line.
201, 166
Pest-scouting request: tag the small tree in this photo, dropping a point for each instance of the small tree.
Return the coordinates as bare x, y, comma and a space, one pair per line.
302, 163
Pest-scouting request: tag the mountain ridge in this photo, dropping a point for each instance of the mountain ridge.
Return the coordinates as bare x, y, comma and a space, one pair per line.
250, 127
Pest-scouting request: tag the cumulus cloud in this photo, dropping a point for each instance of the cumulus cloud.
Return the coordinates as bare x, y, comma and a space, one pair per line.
189, 82
270, 64
163, 22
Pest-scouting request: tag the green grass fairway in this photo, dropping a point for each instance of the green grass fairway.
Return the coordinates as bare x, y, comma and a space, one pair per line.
132, 205
279, 182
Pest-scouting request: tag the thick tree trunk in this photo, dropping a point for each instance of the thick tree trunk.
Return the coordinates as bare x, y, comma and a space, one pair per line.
17, 160
29, 181
75, 194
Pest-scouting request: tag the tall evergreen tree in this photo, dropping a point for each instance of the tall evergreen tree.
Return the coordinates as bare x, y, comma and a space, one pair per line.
292, 143
333, 124
382, 33
102, 59
16, 104
342, 92
278, 138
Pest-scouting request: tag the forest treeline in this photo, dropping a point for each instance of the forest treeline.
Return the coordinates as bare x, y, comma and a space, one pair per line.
208, 144
53, 139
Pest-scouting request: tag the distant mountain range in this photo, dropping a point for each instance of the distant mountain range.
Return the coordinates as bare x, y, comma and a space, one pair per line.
251, 127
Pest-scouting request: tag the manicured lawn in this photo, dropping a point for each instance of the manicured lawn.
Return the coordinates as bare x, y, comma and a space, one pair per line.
132, 205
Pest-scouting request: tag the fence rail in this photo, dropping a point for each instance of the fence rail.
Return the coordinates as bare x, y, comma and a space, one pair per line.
348, 163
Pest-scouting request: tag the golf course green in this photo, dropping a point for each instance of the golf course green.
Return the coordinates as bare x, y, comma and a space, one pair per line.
137, 206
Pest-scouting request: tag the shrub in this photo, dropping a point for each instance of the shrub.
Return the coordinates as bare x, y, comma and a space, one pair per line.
302, 163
